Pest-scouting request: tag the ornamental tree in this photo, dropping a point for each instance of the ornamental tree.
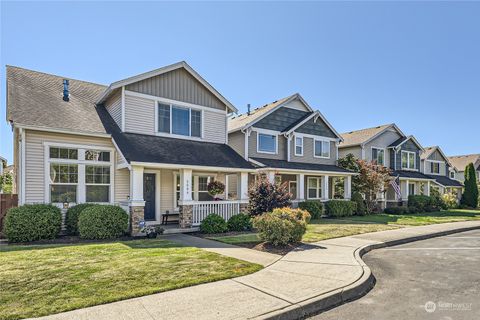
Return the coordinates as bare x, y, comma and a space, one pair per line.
372, 179
264, 196
470, 193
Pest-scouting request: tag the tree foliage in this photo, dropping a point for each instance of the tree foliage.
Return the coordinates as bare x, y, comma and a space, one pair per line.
265, 196
6, 182
470, 193
372, 180
349, 162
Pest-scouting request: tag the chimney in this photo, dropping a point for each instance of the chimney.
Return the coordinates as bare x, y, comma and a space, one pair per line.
66, 93
248, 109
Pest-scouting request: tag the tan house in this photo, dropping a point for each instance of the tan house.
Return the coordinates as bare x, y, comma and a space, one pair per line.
150, 143
290, 142
460, 162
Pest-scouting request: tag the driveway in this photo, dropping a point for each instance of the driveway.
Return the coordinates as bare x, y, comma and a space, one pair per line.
437, 278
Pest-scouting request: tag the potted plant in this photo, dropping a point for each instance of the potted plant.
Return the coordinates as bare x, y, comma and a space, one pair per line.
215, 188
152, 231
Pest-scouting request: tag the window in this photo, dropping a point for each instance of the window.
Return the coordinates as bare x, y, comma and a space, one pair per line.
95, 155
179, 120
322, 149
411, 189
378, 155
75, 180
408, 160
435, 167
452, 175
267, 143
63, 153
203, 182
97, 182
292, 188
299, 146
63, 182
314, 188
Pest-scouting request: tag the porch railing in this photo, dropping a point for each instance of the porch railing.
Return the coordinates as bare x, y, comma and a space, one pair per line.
226, 209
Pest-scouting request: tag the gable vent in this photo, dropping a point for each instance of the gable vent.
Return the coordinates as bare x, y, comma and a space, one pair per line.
66, 93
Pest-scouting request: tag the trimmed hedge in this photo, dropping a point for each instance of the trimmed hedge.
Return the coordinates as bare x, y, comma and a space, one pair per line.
32, 222
340, 208
282, 226
361, 208
397, 210
213, 223
102, 222
239, 222
425, 203
315, 208
71, 218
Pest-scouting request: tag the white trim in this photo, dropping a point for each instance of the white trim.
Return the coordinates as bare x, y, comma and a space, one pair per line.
302, 122
179, 136
267, 133
125, 163
312, 136
318, 189
430, 170
295, 145
384, 154
163, 70
175, 102
66, 131
408, 160
23, 165
123, 108
414, 141
182, 166
315, 147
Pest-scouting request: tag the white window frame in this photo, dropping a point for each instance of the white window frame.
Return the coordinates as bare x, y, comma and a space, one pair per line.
318, 191
81, 163
430, 162
290, 188
408, 160
414, 188
322, 141
297, 145
181, 106
452, 173
269, 133
195, 177
379, 149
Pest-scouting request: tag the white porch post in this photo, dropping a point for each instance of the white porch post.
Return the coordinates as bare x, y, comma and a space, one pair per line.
271, 176
137, 184
428, 188
348, 187
406, 190
137, 203
325, 188
242, 184
186, 185
300, 186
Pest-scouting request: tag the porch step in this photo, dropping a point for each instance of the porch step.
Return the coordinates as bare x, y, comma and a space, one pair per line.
180, 230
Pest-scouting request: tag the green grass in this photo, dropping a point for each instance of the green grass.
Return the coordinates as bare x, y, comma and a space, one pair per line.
46, 279
323, 229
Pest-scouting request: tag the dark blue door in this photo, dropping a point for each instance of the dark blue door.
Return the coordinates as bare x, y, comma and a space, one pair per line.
149, 195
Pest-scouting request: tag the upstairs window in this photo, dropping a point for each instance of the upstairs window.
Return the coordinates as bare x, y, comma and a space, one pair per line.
179, 120
267, 143
322, 149
299, 146
95, 155
435, 167
408, 160
63, 153
452, 175
378, 155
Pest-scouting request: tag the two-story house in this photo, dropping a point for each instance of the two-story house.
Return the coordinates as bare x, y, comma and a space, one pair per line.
389, 146
435, 164
460, 163
290, 142
150, 143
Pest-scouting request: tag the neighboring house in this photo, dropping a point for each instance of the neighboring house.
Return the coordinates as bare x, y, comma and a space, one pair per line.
436, 165
290, 142
3, 165
150, 143
460, 162
389, 146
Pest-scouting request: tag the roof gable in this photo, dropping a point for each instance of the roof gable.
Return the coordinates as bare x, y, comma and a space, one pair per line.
460, 162
363, 136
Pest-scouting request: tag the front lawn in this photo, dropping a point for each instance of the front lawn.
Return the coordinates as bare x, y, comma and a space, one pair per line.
46, 279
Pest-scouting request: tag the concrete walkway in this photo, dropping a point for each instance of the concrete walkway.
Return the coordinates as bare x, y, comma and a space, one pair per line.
311, 278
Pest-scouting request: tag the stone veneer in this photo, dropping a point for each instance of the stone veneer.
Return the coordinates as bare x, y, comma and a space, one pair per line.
137, 215
185, 216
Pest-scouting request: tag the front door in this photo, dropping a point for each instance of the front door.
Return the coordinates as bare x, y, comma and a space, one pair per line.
149, 195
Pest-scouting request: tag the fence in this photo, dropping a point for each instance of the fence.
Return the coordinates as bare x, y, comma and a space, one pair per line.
7, 201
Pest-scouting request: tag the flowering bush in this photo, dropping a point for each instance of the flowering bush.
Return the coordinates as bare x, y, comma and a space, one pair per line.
450, 200
215, 187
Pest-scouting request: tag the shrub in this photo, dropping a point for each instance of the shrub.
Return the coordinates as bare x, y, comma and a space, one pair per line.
213, 223
265, 196
397, 210
470, 193
71, 218
315, 208
282, 226
239, 222
358, 199
32, 222
102, 222
340, 208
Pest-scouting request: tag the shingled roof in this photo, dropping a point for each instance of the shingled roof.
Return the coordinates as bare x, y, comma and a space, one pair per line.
357, 137
35, 99
460, 162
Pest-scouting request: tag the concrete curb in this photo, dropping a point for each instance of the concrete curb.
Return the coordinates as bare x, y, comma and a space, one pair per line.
356, 289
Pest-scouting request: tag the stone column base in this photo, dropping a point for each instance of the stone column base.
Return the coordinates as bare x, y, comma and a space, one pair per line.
137, 218
185, 216
244, 207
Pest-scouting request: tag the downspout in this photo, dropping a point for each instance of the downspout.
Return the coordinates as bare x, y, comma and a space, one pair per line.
289, 138
247, 132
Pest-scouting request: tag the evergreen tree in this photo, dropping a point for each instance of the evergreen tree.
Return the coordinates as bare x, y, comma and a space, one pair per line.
470, 193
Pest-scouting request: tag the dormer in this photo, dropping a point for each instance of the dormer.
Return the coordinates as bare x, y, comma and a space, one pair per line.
173, 101
405, 154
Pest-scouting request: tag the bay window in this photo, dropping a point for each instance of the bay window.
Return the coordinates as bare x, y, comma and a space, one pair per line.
183, 121
408, 160
266, 143
322, 149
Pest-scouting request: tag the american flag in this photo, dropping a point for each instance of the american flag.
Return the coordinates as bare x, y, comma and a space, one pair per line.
396, 186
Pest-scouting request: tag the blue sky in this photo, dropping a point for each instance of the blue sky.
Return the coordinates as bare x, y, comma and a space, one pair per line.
360, 64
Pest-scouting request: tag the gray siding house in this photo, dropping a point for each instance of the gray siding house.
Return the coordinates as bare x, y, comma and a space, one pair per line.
290, 142
150, 143
460, 162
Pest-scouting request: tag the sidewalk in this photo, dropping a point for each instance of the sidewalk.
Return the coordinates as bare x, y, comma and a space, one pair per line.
311, 278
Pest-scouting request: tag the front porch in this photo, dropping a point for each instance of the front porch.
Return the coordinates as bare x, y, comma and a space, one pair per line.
408, 187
